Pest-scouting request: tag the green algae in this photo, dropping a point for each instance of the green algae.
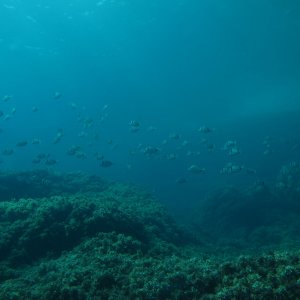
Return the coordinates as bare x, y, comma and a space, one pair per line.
255, 217
115, 241
113, 266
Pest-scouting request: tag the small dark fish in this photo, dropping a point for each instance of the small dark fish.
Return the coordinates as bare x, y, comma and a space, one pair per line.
181, 180
210, 146
195, 169
106, 163
36, 161
22, 143
99, 156
6, 98
205, 129
174, 136
134, 126
50, 162
35, 141
88, 122
151, 150
8, 152
250, 171
58, 137
80, 155
57, 95
42, 155
74, 150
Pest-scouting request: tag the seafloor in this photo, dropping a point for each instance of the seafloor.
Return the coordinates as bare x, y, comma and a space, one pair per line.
73, 236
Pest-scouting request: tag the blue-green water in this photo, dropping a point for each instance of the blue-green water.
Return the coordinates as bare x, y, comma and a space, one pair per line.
173, 66
191, 104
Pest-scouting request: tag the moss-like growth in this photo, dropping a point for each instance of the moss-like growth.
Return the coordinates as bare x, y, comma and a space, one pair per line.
114, 241
114, 266
260, 215
42, 183
33, 228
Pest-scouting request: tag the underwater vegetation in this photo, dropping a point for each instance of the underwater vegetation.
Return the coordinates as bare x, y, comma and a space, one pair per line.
41, 183
109, 240
261, 215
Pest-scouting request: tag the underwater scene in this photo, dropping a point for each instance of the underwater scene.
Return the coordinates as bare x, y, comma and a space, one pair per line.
149, 149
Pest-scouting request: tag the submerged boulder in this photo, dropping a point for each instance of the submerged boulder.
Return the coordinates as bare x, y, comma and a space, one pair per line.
33, 228
42, 183
261, 215
114, 241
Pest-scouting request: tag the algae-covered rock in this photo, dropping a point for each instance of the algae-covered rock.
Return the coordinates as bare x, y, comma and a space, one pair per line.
42, 183
114, 266
114, 241
289, 177
260, 215
33, 228
288, 186
230, 208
